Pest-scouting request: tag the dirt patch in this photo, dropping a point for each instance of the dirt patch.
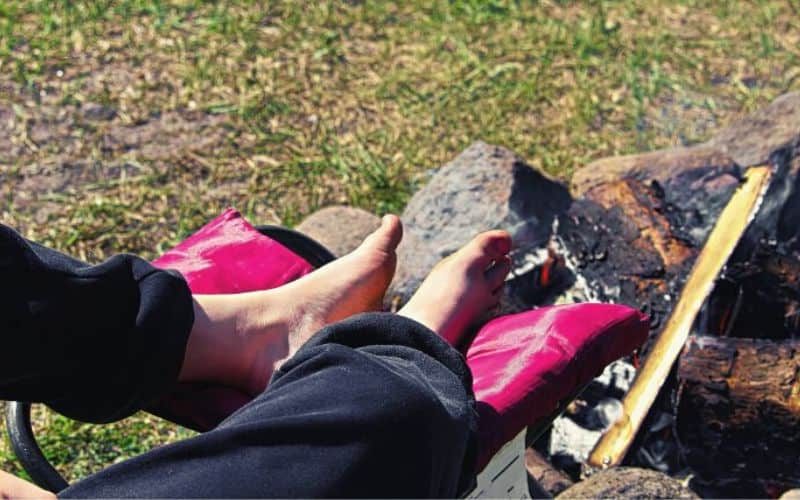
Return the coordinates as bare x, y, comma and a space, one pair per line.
67, 163
165, 136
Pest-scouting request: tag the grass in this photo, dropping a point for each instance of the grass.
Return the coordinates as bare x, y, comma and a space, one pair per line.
125, 125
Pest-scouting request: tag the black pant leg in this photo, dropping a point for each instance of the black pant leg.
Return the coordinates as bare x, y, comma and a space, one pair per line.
375, 406
96, 343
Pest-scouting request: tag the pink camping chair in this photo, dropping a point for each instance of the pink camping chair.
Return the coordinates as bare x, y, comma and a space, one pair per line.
526, 367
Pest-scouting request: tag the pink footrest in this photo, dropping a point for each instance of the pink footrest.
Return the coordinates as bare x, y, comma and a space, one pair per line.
524, 365
229, 255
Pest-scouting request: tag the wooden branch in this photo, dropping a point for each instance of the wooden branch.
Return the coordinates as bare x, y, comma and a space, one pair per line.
732, 223
553, 481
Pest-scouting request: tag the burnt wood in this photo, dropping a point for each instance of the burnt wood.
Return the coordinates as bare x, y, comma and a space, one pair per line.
545, 475
738, 408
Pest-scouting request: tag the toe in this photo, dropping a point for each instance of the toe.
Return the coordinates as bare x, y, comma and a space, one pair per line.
388, 235
496, 275
488, 247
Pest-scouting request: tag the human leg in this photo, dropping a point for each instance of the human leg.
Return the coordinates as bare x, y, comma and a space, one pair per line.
100, 342
377, 405
96, 343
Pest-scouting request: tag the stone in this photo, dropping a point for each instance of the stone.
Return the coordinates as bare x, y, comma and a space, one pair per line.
752, 140
628, 482
340, 229
485, 187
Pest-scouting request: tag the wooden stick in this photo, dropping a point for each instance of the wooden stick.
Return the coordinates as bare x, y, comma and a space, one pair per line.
732, 223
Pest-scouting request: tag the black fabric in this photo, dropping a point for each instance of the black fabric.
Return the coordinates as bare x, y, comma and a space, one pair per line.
376, 405
96, 343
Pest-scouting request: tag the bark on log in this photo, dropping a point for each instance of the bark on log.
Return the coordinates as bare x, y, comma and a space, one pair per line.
547, 477
738, 411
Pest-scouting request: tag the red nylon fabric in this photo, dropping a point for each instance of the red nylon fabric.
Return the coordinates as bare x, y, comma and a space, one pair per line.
228, 255
524, 364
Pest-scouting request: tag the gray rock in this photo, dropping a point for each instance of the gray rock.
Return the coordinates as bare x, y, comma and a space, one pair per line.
485, 187
753, 139
339, 228
628, 482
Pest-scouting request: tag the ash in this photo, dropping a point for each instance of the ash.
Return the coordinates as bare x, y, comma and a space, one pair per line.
575, 433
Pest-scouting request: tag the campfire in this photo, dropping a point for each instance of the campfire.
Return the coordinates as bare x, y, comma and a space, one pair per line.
706, 240
672, 233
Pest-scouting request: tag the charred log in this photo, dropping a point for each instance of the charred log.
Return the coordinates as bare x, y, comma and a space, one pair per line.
738, 412
641, 221
626, 249
549, 479
756, 297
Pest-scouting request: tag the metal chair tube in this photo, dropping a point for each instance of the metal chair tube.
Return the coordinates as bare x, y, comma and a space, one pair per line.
20, 433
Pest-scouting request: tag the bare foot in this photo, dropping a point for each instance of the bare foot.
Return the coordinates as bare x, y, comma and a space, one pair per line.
350, 285
462, 288
241, 339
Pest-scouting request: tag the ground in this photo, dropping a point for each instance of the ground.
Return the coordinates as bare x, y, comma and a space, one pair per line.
125, 125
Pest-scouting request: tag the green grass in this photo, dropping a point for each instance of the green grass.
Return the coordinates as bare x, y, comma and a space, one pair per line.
78, 449
279, 108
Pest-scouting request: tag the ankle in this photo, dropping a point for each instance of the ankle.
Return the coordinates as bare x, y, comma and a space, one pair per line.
418, 314
230, 333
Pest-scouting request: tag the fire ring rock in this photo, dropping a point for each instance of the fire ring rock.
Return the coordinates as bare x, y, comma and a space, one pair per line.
628, 482
486, 187
339, 228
